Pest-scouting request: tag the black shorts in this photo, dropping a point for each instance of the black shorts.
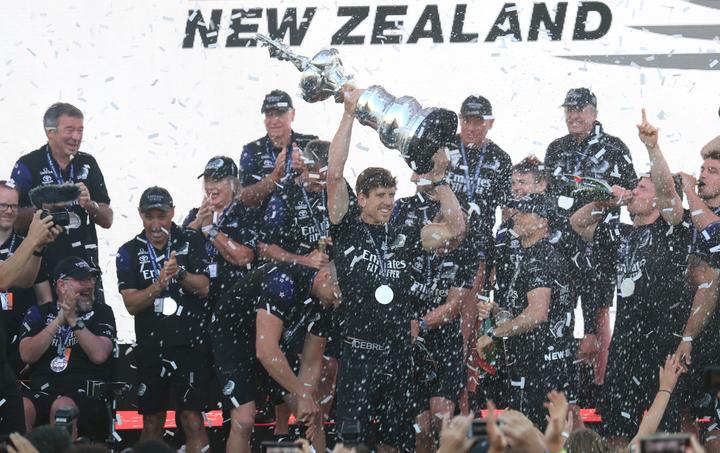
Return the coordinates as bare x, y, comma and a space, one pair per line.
92, 420
377, 384
12, 418
183, 371
445, 365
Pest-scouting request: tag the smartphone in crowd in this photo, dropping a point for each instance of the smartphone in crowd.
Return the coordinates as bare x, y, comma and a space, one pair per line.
665, 443
478, 432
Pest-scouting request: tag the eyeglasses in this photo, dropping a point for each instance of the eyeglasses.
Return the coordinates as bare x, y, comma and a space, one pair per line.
6, 206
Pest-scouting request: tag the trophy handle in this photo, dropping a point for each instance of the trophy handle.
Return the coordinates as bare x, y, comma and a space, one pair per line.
282, 52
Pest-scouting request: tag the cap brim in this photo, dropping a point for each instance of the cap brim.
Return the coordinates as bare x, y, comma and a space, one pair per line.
161, 206
282, 109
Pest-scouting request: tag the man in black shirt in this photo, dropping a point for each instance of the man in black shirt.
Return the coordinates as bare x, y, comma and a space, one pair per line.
16, 301
18, 270
372, 260
588, 151
539, 335
480, 177
163, 279
264, 163
228, 226
67, 344
60, 162
648, 260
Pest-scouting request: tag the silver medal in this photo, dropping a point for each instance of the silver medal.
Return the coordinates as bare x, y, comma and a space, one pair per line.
74, 221
627, 287
58, 364
169, 307
384, 294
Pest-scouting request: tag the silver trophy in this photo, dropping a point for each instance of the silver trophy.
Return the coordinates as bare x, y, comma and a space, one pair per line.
402, 123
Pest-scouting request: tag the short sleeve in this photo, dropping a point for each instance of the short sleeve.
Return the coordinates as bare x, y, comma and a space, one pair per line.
279, 292
127, 277
197, 257
32, 323
248, 167
96, 184
541, 273
104, 325
192, 215
22, 178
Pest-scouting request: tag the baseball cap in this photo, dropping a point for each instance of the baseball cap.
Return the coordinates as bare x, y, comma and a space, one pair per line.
276, 100
219, 167
74, 267
477, 106
155, 198
578, 98
534, 203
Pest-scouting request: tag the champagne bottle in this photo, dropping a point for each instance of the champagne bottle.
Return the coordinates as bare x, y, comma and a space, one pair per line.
590, 188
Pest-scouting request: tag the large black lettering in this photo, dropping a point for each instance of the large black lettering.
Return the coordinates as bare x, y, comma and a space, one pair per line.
357, 15
508, 13
382, 24
208, 32
237, 26
580, 33
430, 14
289, 23
457, 35
541, 16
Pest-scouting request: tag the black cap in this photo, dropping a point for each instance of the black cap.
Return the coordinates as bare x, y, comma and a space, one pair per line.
534, 203
578, 98
219, 167
477, 106
74, 267
276, 100
155, 198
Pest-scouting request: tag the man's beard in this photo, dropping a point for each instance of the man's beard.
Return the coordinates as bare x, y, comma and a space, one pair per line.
85, 303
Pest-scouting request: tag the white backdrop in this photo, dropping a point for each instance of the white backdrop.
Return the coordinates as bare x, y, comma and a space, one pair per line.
155, 112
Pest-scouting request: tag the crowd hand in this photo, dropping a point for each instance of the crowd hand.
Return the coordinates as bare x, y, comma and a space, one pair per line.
169, 270
68, 305
482, 345
308, 413
42, 231
647, 132
485, 308
454, 434
441, 162
689, 182
351, 96
684, 354
695, 446
560, 421
204, 215
521, 434
589, 349
414, 329
620, 197
670, 373
84, 199
316, 259
297, 163
496, 439
20, 445
304, 445
279, 169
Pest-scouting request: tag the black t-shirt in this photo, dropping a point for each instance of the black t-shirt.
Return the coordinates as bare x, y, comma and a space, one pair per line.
540, 266
15, 303
361, 252
285, 294
257, 159
706, 243
648, 264
100, 321
154, 330
39, 168
600, 155
481, 182
238, 224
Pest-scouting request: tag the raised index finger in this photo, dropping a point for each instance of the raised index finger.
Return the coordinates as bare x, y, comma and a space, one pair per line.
644, 115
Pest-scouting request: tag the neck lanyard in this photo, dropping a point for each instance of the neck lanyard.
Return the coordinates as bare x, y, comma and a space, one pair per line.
63, 335
56, 171
318, 225
154, 258
12, 244
380, 253
629, 258
471, 184
221, 218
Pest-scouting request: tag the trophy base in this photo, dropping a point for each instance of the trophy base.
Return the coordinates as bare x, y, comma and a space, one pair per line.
437, 129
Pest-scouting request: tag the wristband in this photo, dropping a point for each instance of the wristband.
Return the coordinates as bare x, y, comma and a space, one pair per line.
666, 391
182, 273
441, 182
491, 333
39, 252
422, 324
212, 233
687, 339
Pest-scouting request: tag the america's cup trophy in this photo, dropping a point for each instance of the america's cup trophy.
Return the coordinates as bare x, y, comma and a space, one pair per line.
402, 123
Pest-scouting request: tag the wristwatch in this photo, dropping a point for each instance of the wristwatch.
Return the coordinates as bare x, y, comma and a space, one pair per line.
79, 325
212, 233
440, 182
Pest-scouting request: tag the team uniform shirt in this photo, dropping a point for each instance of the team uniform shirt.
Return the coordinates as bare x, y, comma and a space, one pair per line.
539, 360
188, 325
600, 155
480, 179
49, 374
706, 243
39, 168
237, 222
653, 303
258, 157
15, 303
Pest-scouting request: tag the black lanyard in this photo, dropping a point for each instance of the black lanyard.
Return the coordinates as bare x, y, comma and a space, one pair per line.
472, 184
56, 172
318, 225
